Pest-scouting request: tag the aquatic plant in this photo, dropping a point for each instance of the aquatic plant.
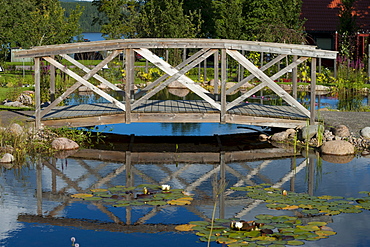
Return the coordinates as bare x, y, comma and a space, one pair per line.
144, 194
280, 230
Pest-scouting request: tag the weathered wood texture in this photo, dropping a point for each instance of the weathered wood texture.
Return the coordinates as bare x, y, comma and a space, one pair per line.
138, 107
190, 111
108, 45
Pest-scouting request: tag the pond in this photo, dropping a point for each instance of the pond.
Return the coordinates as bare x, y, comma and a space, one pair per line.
43, 203
37, 207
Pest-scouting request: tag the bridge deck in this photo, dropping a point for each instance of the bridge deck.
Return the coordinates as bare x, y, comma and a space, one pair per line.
173, 111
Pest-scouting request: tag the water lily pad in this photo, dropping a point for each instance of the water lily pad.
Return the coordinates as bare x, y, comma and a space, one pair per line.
82, 195
206, 239
252, 234
199, 223
325, 233
317, 223
94, 198
309, 228
185, 227
115, 189
98, 190
109, 200
295, 242
121, 205
237, 235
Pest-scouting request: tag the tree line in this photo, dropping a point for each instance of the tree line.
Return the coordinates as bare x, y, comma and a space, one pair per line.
44, 22
264, 20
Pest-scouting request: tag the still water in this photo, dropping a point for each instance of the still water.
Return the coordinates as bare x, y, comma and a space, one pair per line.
37, 209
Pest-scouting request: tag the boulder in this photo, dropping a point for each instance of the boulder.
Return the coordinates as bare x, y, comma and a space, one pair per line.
14, 104
176, 84
338, 147
15, 129
341, 131
286, 87
291, 133
229, 84
25, 99
84, 89
64, 144
308, 132
365, 133
280, 136
103, 86
7, 158
247, 85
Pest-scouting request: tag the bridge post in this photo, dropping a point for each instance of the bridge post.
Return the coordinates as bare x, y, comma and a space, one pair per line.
37, 94
130, 59
294, 78
313, 91
216, 70
223, 85
52, 81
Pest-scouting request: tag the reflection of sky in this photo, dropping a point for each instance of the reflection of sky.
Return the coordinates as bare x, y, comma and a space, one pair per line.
165, 129
18, 195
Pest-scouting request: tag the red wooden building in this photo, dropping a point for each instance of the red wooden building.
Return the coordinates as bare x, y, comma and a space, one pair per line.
322, 23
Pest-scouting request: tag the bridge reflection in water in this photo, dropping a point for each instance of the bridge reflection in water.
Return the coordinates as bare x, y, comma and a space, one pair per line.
200, 173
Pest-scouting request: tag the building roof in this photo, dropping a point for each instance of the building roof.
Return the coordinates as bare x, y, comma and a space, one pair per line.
323, 15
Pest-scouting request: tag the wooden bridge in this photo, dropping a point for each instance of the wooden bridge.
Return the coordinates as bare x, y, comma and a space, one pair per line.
212, 107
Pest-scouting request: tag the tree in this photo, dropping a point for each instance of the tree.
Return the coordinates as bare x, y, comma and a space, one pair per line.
230, 20
347, 29
35, 22
206, 11
166, 19
118, 18
264, 20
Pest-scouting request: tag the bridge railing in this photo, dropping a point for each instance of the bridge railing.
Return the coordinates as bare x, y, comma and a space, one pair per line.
233, 49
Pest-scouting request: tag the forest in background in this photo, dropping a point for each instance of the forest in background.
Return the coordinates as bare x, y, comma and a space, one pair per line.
87, 18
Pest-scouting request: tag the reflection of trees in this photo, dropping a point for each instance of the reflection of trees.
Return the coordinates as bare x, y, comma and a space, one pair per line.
182, 128
349, 99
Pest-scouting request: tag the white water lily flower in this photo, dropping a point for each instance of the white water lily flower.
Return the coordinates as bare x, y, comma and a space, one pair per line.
238, 225
165, 187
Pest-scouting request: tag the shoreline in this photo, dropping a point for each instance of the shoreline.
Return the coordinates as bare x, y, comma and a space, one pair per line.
355, 121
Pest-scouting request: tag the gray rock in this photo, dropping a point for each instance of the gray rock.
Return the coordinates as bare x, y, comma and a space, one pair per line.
14, 104
64, 144
365, 133
25, 99
7, 158
291, 133
341, 131
280, 136
16, 129
339, 147
176, 84
310, 131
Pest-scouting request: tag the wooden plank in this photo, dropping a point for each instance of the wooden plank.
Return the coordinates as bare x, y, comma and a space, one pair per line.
223, 84
37, 93
313, 91
130, 60
279, 48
